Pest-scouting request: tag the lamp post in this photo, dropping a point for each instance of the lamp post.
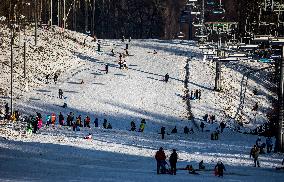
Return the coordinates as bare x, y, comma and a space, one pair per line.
12, 43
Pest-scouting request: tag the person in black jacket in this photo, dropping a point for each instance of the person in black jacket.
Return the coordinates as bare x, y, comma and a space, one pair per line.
163, 132
173, 162
219, 168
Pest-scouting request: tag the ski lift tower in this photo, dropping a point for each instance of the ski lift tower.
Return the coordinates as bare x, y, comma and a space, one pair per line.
280, 136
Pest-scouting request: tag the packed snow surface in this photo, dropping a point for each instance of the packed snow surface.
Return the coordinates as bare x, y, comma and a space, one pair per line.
123, 95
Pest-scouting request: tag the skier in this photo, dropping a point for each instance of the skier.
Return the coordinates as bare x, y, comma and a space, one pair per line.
202, 125
126, 46
254, 152
39, 123
160, 158
255, 107
55, 78
163, 132
106, 68
129, 40
191, 95
155, 52
258, 142
122, 40
219, 169
173, 162
196, 94
60, 93
167, 78
174, 130
69, 119
34, 123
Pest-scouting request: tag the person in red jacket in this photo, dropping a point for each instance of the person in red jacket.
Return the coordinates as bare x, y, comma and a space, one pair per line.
160, 158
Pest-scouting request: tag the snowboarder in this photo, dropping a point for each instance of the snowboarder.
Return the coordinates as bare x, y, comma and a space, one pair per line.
167, 78
96, 122
173, 162
55, 78
254, 152
202, 125
219, 169
186, 130
126, 46
133, 126
163, 132
269, 144
196, 94
199, 94
60, 93
160, 158
174, 130
106, 68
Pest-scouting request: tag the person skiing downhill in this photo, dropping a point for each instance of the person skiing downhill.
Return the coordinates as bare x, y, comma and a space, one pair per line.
254, 152
167, 78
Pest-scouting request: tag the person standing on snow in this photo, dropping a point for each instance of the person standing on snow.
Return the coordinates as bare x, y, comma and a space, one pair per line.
163, 132
219, 169
269, 144
61, 119
173, 162
254, 152
167, 78
160, 158
202, 125
106, 68
55, 78
60, 93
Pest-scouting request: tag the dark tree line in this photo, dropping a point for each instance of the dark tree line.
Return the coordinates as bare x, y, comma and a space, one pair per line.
108, 19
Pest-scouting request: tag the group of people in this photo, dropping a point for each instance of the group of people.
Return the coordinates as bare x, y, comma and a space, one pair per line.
195, 94
186, 130
55, 78
160, 157
141, 127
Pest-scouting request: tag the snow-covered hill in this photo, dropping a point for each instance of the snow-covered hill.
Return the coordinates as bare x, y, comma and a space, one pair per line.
121, 96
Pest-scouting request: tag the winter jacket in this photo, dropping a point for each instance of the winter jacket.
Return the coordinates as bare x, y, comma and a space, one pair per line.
254, 152
160, 155
220, 167
173, 158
